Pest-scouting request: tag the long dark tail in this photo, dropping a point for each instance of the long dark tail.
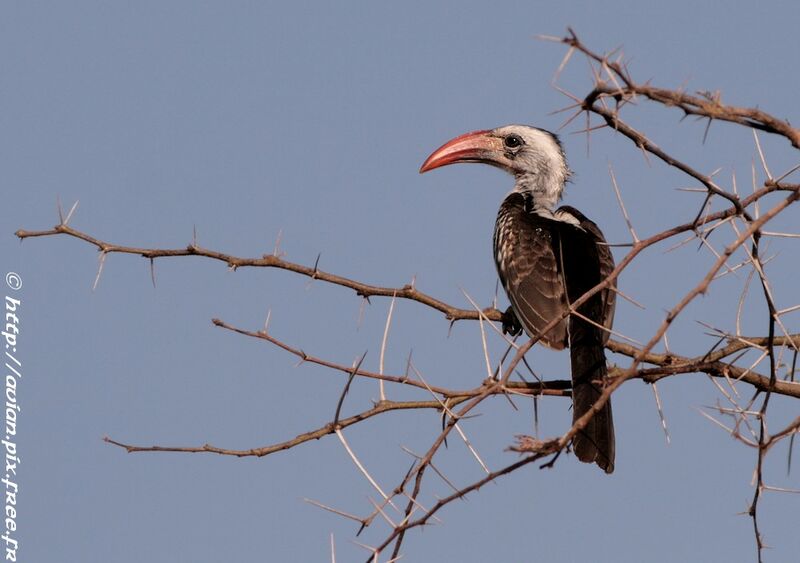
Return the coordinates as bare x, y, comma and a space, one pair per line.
595, 443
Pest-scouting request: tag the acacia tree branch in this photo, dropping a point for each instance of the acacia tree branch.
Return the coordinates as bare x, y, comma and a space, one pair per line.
407, 291
674, 364
703, 106
554, 387
330, 428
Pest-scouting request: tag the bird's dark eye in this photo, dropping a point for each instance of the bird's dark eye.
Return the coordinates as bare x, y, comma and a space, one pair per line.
513, 141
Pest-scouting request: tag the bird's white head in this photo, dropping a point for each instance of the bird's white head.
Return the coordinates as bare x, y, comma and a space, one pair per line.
534, 156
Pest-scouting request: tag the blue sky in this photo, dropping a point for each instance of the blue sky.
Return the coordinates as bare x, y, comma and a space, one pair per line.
246, 122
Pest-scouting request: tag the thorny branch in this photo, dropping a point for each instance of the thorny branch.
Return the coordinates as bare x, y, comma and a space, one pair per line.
704, 105
612, 89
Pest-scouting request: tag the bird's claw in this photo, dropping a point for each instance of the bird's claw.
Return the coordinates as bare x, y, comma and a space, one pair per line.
511, 324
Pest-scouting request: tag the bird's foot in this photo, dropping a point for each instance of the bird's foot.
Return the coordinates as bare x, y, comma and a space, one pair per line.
511, 324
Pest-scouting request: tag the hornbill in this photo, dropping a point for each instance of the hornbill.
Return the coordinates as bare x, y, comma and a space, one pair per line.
547, 258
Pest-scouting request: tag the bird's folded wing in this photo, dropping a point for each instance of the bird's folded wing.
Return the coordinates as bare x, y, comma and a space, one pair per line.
530, 273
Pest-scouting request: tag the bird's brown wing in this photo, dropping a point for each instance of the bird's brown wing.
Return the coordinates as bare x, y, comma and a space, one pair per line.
529, 271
